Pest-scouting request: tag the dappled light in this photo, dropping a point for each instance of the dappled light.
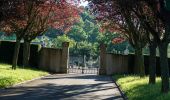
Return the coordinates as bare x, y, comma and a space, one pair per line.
79, 44
65, 87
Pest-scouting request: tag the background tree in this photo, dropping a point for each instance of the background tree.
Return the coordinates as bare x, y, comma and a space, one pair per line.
61, 15
57, 42
115, 15
85, 31
18, 24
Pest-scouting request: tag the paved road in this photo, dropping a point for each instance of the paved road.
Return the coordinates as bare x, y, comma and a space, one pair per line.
64, 87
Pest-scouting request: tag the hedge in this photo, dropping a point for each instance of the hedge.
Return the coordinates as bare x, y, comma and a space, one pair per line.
7, 51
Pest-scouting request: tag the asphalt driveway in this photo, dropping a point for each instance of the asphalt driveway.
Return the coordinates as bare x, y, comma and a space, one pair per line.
65, 87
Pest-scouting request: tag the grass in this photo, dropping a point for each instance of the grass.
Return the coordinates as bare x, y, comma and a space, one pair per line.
137, 88
9, 77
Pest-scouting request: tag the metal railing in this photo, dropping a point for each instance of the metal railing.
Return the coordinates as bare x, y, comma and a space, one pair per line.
83, 70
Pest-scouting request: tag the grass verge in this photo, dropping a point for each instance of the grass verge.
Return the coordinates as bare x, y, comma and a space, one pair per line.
137, 88
9, 77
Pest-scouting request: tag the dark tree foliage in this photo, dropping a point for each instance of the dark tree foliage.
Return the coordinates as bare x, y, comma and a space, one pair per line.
116, 16
154, 17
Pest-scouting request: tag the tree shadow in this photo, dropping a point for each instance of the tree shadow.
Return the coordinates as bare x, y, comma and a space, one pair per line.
54, 92
46, 91
81, 76
147, 92
141, 90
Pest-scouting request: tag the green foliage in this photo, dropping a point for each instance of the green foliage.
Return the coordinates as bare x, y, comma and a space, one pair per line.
85, 33
5, 37
167, 5
137, 88
9, 77
57, 42
107, 39
51, 33
78, 34
85, 48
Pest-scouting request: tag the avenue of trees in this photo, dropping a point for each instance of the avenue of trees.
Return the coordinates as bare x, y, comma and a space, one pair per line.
84, 37
28, 19
141, 22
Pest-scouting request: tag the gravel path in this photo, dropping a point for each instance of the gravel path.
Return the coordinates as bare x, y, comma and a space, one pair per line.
64, 87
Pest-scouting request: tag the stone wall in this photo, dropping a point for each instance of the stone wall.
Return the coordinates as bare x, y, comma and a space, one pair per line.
54, 60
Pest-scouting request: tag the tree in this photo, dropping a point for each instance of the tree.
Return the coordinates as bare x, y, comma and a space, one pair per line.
18, 23
116, 16
32, 19
57, 15
7, 10
162, 14
153, 23
77, 33
85, 31
155, 18
57, 42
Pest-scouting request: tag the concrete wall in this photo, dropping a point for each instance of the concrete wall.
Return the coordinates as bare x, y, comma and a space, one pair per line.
102, 69
116, 64
112, 63
54, 60
50, 59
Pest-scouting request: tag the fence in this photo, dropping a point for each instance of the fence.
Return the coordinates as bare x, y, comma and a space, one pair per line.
118, 63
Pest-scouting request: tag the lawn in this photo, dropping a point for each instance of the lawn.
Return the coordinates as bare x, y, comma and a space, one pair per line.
137, 88
9, 77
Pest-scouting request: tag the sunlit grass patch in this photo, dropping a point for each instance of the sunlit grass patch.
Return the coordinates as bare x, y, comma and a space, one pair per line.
9, 77
137, 88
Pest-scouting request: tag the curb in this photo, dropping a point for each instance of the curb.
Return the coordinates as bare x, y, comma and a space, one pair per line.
18, 84
121, 92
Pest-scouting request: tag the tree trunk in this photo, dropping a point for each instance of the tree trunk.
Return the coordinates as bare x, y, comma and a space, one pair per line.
163, 46
26, 53
152, 63
16, 53
139, 67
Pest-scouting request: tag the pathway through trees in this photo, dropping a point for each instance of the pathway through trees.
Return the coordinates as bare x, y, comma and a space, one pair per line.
65, 87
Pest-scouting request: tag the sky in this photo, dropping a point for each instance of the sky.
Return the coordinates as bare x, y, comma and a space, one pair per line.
84, 3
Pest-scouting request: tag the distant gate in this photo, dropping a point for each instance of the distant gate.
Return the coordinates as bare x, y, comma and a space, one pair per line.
82, 70
80, 65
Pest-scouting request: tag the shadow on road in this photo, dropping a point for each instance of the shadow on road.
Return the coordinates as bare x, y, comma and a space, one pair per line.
47, 91
74, 76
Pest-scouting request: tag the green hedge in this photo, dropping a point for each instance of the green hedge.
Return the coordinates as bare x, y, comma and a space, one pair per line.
7, 50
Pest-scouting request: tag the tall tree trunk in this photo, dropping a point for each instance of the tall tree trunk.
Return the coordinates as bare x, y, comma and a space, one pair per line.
139, 67
152, 62
26, 53
16, 53
163, 46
